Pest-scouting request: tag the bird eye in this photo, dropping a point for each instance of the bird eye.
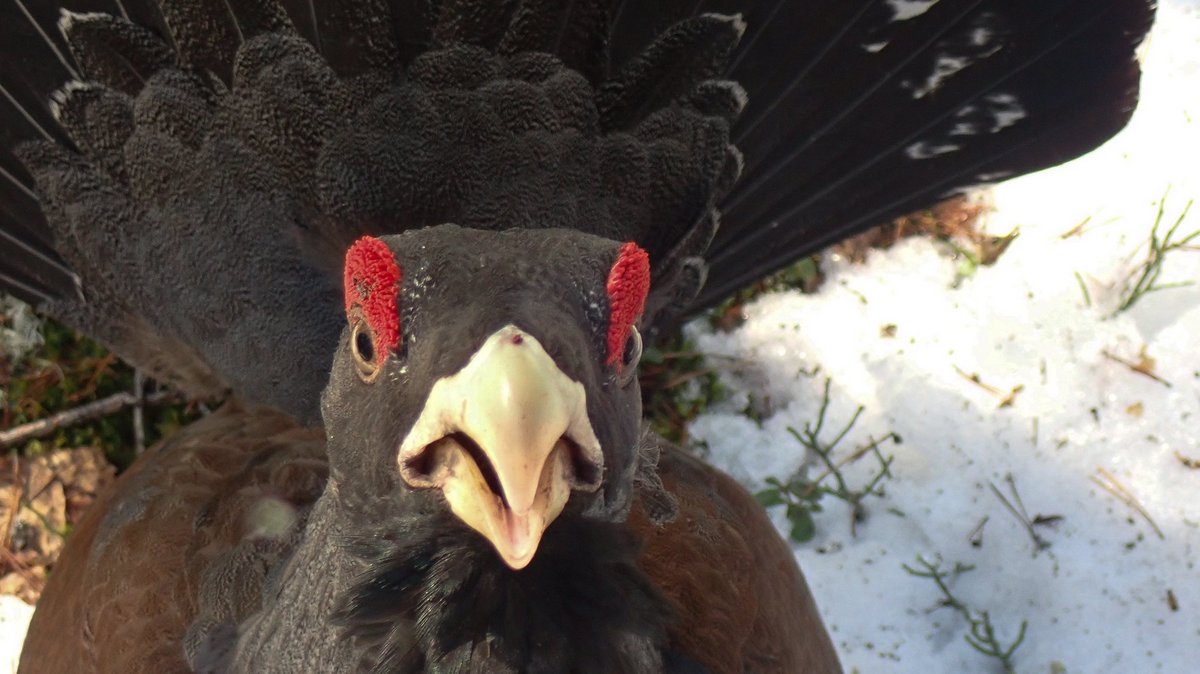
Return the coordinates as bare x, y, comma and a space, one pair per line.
362, 347
631, 356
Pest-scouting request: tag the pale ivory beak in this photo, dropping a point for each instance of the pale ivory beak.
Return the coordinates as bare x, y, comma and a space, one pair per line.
506, 439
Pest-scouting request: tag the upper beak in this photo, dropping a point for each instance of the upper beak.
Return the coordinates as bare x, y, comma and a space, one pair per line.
506, 439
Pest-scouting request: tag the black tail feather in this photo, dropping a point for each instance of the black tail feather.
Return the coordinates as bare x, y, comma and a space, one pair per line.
636, 23
476, 23
18, 202
357, 35
22, 16
412, 23
30, 267
114, 51
255, 17
205, 32
145, 13
691, 52
36, 62
574, 30
32, 272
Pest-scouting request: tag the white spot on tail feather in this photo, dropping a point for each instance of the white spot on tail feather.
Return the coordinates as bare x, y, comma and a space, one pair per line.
62, 96
964, 129
739, 94
1006, 110
981, 36
67, 20
923, 149
945, 66
909, 9
739, 24
738, 158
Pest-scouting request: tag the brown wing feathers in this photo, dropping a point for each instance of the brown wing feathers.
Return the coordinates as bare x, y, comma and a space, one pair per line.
193, 515
742, 603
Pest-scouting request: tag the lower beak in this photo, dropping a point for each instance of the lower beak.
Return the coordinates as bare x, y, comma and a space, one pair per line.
506, 439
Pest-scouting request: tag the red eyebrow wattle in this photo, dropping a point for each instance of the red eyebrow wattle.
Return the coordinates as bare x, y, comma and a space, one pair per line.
628, 283
372, 280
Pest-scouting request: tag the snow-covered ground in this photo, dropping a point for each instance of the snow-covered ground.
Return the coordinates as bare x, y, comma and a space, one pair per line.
1109, 593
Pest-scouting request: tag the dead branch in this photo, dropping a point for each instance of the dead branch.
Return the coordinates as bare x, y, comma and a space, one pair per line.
94, 410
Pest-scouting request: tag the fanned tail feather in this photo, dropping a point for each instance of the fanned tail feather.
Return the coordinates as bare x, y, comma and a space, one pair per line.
179, 178
893, 114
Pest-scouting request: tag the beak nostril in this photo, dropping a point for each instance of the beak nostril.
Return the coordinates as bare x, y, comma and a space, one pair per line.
428, 467
585, 472
420, 468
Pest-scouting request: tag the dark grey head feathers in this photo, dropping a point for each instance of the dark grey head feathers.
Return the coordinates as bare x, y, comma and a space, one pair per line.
459, 287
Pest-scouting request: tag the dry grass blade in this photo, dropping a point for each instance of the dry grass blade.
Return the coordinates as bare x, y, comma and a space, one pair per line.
1109, 483
1006, 398
1144, 365
1077, 229
1017, 508
1087, 296
1188, 462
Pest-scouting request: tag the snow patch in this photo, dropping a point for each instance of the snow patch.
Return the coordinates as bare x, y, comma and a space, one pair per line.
14, 622
931, 356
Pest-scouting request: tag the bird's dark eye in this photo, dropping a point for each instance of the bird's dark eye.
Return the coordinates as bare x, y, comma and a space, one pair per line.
631, 356
362, 347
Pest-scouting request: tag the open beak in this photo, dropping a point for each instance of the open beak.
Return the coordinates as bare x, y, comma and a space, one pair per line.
506, 439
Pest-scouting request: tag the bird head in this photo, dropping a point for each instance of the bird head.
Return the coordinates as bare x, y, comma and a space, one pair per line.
493, 374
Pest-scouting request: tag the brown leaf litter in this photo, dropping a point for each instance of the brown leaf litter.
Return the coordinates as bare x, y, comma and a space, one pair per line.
41, 498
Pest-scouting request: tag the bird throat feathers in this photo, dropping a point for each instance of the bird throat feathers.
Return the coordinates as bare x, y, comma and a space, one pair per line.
438, 599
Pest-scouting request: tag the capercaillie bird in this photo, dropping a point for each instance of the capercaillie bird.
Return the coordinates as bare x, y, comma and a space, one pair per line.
472, 210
